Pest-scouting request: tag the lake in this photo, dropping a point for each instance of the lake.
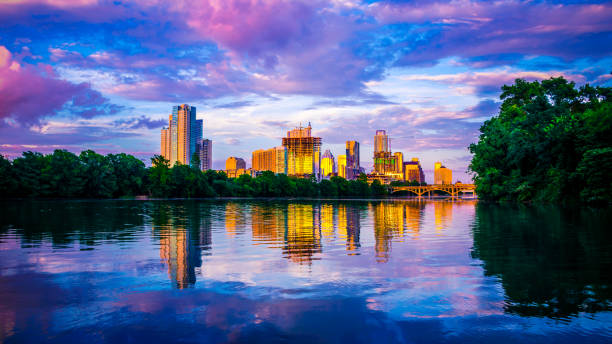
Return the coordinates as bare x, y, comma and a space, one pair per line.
299, 271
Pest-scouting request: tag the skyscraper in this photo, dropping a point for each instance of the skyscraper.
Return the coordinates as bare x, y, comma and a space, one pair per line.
303, 152
352, 159
384, 161
184, 132
399, 162
205, 149
381, 141
328, 163
342, 166
165, 142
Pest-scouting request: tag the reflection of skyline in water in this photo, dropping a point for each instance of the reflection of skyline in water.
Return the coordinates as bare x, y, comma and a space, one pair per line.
395, 220
181, 241
460, 265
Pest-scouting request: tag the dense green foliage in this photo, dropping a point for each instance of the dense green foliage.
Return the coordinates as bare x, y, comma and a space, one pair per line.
549, 142
91, 175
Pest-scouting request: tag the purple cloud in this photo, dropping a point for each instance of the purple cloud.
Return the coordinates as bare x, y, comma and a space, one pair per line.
140, 122
28, 94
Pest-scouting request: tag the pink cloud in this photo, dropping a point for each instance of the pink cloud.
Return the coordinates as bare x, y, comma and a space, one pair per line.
29, 93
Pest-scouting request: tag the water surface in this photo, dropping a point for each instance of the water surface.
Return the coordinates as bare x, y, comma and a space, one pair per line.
303, 272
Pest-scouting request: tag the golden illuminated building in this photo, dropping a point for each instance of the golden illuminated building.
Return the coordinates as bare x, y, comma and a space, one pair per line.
180, 139
165, 143
272, 159
353, 168
303, 152
399, 162
237, 173
442, 175
381, 141
342, 166
388, 166
413, 171
328, 164
234, 163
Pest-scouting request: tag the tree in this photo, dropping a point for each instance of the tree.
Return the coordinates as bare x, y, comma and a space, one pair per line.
99, 175
536, 148
159, 176
8, 180
63, 175
195, 161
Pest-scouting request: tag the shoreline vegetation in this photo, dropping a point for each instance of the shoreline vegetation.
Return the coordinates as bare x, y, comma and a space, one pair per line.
550, 142
65, 175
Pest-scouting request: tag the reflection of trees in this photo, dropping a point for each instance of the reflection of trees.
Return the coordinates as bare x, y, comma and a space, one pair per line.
395, 220
551, 262
66, 222
184, 230
302, 235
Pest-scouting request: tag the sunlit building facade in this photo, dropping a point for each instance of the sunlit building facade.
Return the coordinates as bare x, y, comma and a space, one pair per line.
234, 163
180, 139
273, 159
342, 166
328, 164
399, 162
353, 168
442, 175
303, 152
388, 166
165, 143
413, 171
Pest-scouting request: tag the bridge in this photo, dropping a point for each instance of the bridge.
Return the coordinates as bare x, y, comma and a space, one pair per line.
451, 189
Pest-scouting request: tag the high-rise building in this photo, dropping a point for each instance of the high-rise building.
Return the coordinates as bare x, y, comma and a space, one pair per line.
399, 162
328, 164
303, 152
381, 141
342, 166
352, 160
413, 171
442, 175
180, 140
272, 159
205, 149
165, 142
234, 163
384, 161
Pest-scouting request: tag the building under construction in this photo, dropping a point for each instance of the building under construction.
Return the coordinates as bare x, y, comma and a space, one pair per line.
303, 153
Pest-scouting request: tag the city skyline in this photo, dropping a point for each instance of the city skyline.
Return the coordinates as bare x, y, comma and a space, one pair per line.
101, 75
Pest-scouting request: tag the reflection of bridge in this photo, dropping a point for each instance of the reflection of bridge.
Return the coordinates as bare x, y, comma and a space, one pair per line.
451, 189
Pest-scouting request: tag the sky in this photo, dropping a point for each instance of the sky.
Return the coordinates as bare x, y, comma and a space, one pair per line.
104, 75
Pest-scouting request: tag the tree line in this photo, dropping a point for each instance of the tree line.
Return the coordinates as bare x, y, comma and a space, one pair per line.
63, 174
551, 142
